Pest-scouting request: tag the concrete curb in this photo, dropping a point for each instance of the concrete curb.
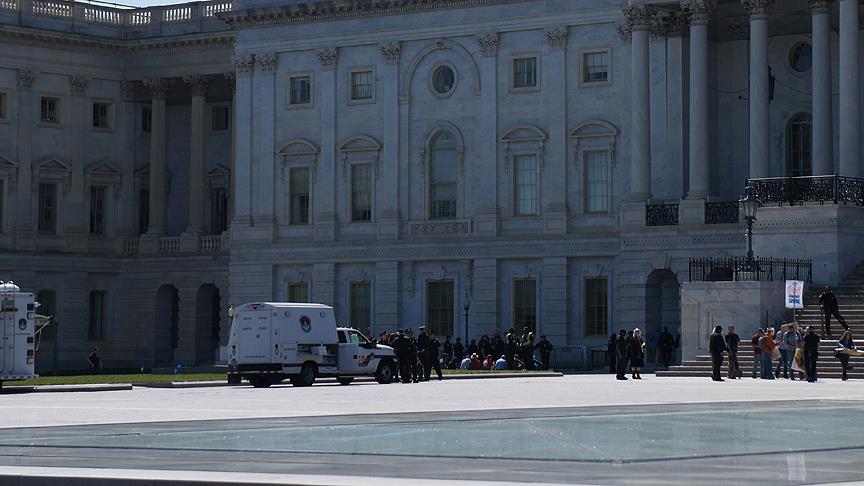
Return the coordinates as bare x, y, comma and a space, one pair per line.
66, 388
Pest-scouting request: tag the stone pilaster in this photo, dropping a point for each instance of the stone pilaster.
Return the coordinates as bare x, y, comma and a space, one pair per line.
325, 193
487, 196
553, 157
242, 130
23, 225
555, 296
324, 283
487, 319
388, 215
387, 297
263, 144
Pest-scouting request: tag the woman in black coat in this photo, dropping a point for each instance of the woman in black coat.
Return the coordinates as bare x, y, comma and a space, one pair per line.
637, 353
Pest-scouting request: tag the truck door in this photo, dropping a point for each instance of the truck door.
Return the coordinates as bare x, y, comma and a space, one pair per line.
7, 338
355, 353
254, 337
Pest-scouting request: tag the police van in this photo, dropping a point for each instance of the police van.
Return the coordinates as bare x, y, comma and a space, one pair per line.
272, 341
17, 333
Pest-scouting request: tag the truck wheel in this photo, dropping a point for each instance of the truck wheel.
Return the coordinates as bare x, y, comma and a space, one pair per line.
306, 376
259, 381
384, 375
345, 380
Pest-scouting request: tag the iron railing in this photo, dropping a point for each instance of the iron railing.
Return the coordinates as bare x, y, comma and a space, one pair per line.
712, 269
568, 358
721, 213
661, 214
829, 189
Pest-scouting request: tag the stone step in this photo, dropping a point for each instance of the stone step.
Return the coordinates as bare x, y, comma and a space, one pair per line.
699, 374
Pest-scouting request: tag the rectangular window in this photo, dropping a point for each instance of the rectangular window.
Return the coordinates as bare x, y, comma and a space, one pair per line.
525, 304
96, 328
298, 292
300, 90
362, 85
219, 213
597, 181
595, 67
596, 307
146, 119
47, 299
143, 210
361, 192
3, 106
299, 187
361, 307
97, 210
220, 118
50, 110
101, 112
439, 307
525, 185
47, 208
525, 72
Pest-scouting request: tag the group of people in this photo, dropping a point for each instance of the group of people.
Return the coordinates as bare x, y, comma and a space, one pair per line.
664, 344
418, 356
627, 351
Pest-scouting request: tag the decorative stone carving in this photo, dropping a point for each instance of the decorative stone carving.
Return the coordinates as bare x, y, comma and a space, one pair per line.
392, 52
638, 16
328, 57
78, 84
488, 44
26, 78
443, 228
820, 6
128, 89
244, 64
266, 62
669, 25
158, 86
699, 11
757, 9
557, 37
197, 84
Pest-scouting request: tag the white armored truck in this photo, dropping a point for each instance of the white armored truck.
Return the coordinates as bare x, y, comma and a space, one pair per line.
272, 341
17, 333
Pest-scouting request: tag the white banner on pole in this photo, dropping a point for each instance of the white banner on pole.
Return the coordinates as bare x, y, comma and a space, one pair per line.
794, 294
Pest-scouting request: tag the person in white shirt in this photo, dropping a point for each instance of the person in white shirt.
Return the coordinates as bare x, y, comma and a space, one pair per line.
465, 364
501, 364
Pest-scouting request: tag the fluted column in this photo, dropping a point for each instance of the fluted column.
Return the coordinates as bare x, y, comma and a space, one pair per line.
823, 150
24, 221
158, 87
759, 148
244, 66
388, 213
197, 153
850, 96
638, 22
699, 12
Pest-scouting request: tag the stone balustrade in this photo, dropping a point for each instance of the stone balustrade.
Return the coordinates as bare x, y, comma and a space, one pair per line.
175, 245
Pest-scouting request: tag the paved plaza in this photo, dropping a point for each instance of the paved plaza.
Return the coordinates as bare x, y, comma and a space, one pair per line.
577, 429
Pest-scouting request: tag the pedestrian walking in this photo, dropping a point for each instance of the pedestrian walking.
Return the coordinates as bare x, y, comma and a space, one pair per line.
811, 353
732, 341
830, 308
545, 349
422, 353
768, 346
846, 342
756, 341
637, 354
791, 340
433, 356
717, 346
621, 350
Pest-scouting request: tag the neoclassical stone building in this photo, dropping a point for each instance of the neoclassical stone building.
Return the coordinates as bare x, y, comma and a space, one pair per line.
525, 162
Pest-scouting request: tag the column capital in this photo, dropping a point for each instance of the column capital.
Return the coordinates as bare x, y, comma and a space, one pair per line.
488, 44
699, 12
197, 84
26, 78
158, 86
128, 88
328, 57
78, 84
820, 6
669, 25
757, 9
266, 62
638, 16
391, 51
231, 78
243, 64
557, 37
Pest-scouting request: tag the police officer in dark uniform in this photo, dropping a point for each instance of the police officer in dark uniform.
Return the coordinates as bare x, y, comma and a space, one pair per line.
433, 354
414, 371
545, 348
401, 345
422, 354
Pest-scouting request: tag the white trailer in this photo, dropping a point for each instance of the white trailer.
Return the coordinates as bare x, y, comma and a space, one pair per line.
272, 341
17, 333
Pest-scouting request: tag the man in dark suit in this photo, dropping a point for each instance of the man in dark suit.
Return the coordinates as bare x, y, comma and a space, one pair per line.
811, 353
830, 308
717, 346
621, 350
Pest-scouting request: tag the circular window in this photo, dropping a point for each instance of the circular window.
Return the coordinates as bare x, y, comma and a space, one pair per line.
443, 80
801, 57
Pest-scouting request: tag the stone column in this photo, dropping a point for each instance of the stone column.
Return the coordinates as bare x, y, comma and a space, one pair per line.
127, 224
759, 148
242, 174
197, 153
23, 224
232, 187
325, 186
850, 95
158, 87
638, 22
823, 134
700, 12
487, 210
387, 177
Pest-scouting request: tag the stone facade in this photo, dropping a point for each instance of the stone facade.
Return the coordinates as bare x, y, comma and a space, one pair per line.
523, 156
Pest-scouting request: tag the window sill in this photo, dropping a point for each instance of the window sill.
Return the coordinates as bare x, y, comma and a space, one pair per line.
363, 101
46, 124
524, 89
595, 84
300, 106
102, 129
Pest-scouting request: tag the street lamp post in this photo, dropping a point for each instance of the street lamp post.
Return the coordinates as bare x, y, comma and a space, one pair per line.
749, 205
466, 304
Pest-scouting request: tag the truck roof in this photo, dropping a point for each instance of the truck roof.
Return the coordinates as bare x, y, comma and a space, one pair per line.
287, 305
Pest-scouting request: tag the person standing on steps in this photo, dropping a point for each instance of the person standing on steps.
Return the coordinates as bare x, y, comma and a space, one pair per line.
717, 347
811, 353
845, 342
732, 341
830, 308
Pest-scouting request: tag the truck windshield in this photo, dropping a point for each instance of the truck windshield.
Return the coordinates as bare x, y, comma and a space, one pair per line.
356, 338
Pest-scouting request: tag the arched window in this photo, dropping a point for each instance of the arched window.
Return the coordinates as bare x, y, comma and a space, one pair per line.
799, 153
443, 181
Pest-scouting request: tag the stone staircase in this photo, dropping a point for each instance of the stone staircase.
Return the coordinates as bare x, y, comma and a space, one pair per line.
850, 296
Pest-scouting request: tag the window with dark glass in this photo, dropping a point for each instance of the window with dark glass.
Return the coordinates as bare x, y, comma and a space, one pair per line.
101, 113
298, 292
220, 118
443, 180
361, 306
525, 72
525, 185
596, 67
47, 208
299, 188
799, 153
443, 80
801, 57
97, 210
301, 90
146, 119
439, 307
361, 192
96, 328
525, 304
596, 307
219, 210
143, 210
50, 110
596, 181
362, 85
3, 107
